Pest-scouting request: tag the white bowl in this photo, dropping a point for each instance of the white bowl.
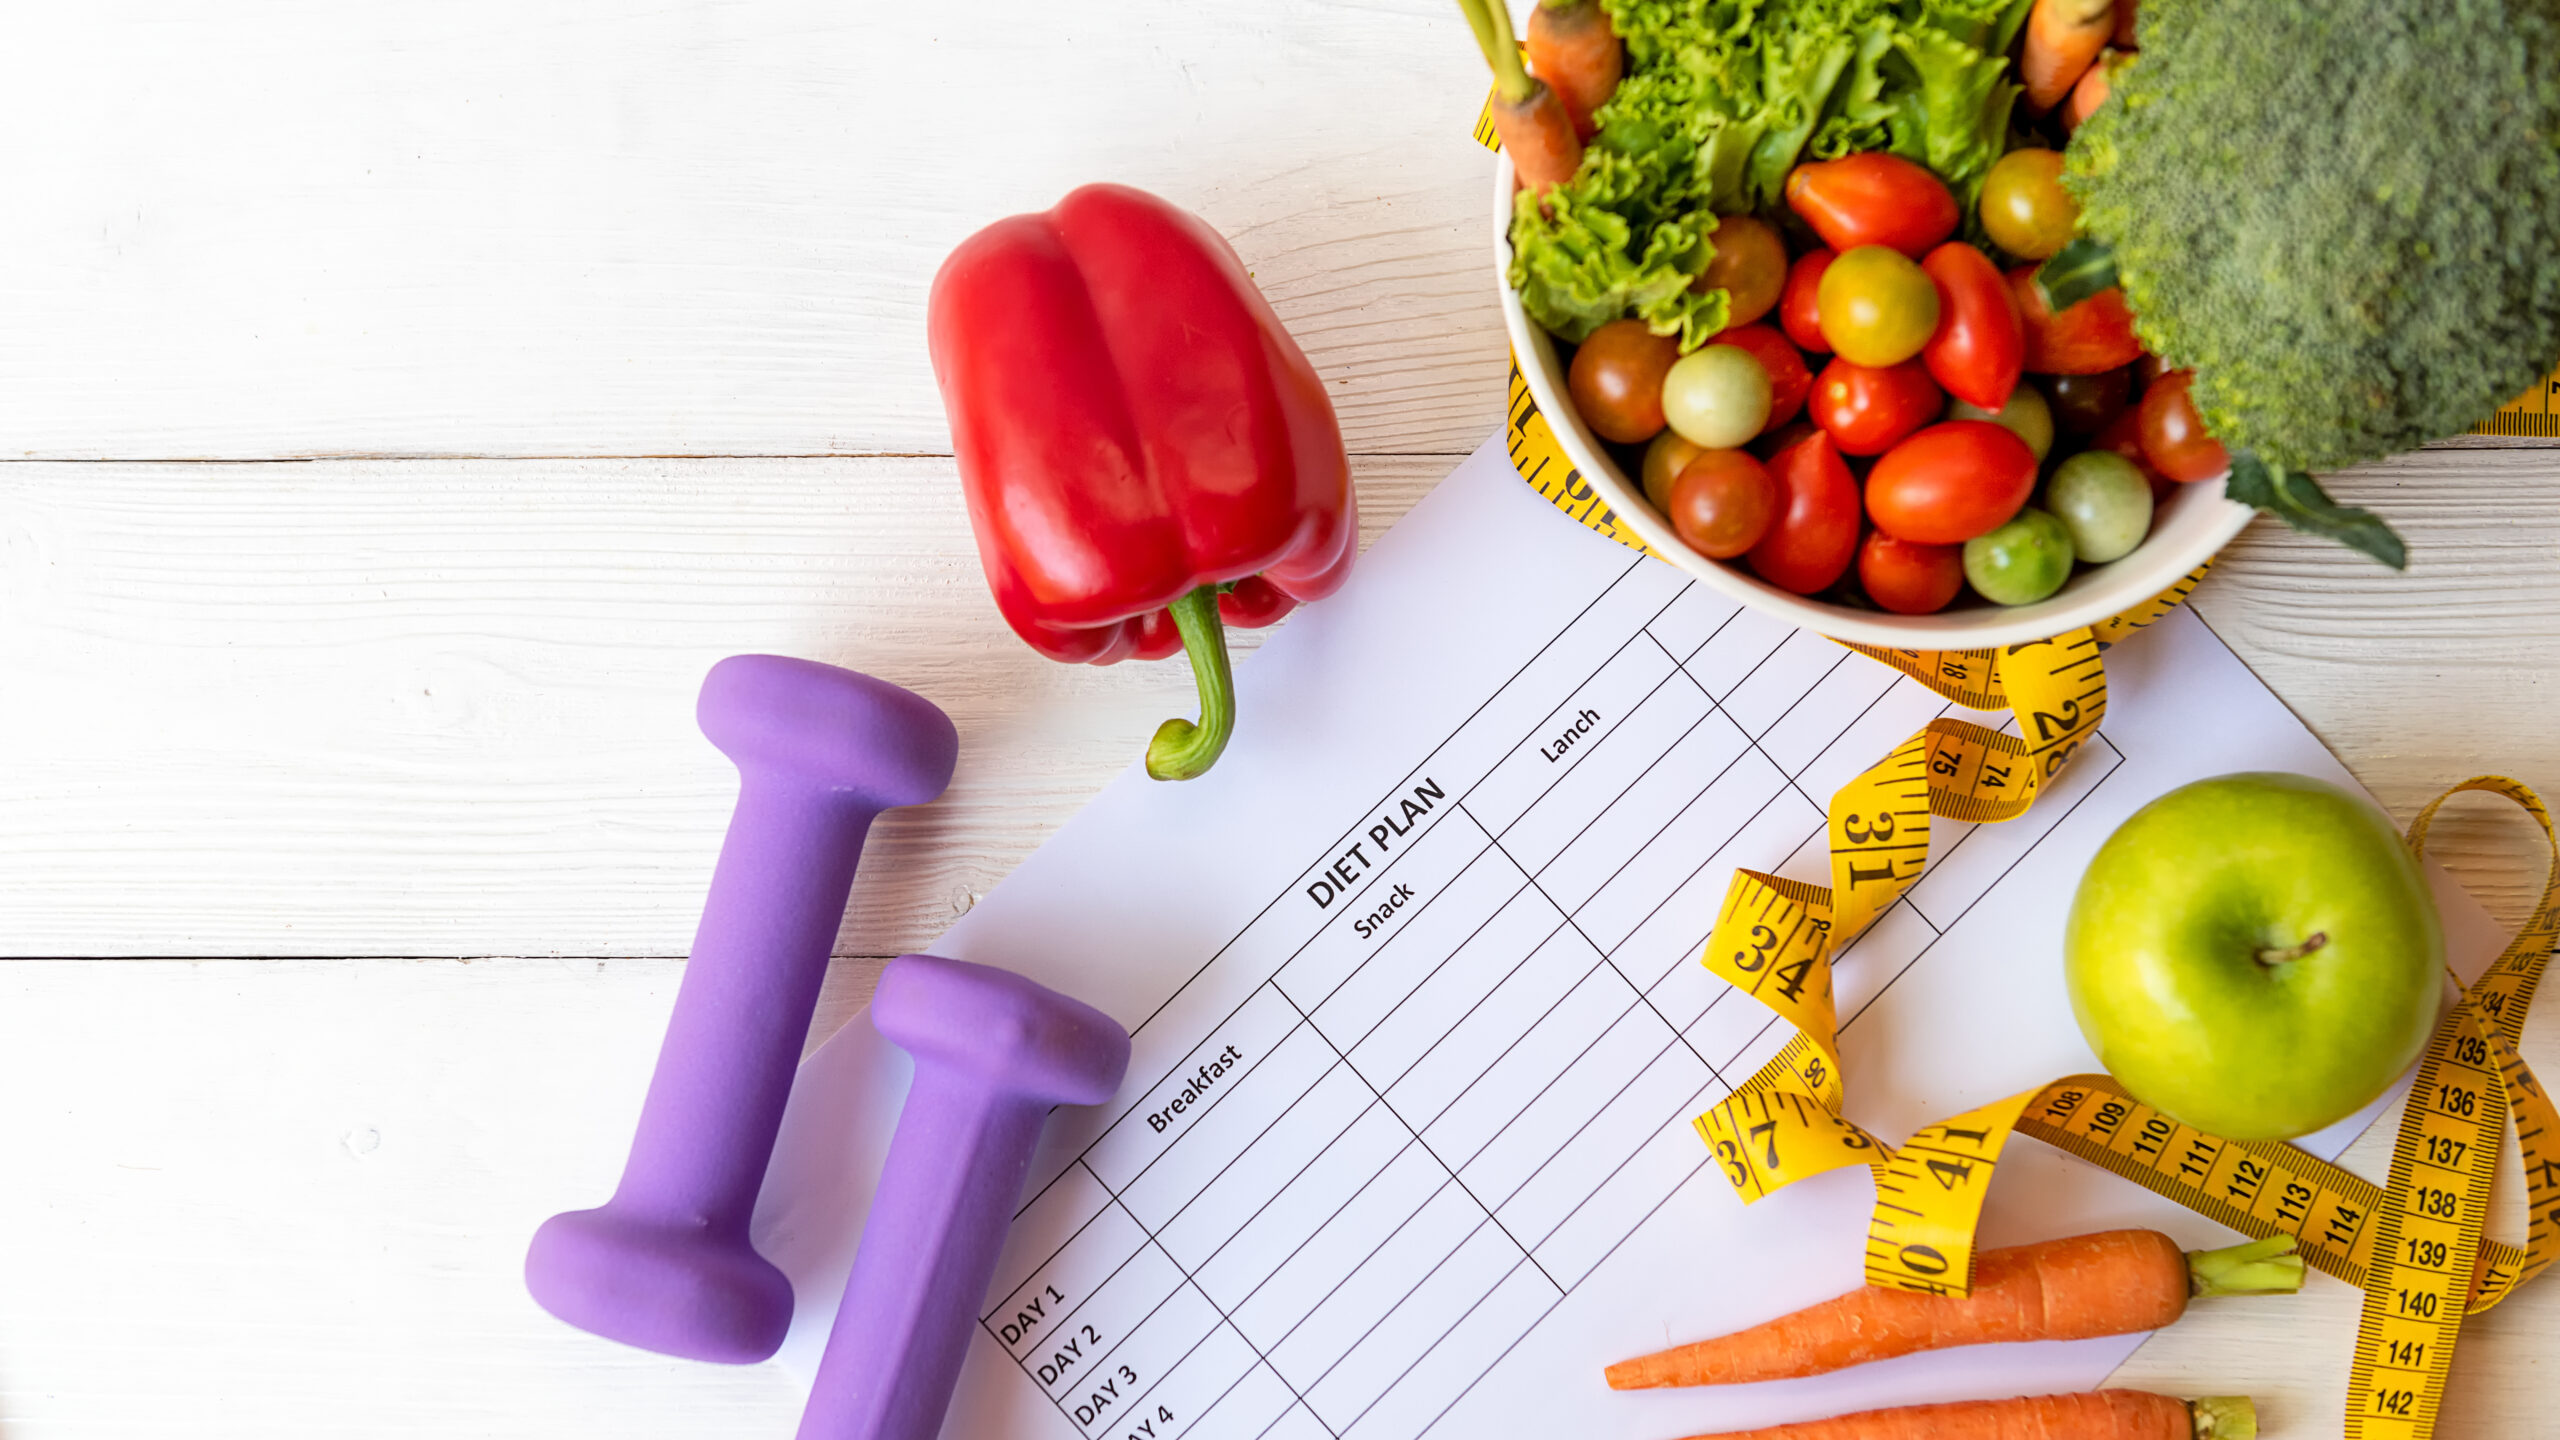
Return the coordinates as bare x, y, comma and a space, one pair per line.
2189, 528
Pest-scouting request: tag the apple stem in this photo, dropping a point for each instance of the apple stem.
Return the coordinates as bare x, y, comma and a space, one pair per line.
2261, 1267
2271, 957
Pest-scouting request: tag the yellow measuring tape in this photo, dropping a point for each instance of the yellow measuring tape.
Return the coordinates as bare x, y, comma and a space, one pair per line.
2415, 1246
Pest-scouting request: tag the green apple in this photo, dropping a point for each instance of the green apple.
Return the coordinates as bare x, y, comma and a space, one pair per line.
2257, 955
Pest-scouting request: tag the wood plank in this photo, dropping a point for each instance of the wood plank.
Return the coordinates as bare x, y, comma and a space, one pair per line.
702, 227
365, 707
362, 707
279, 1199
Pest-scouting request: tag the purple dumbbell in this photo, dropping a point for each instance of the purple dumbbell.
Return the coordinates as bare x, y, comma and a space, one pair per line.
993, 1054
665, 1264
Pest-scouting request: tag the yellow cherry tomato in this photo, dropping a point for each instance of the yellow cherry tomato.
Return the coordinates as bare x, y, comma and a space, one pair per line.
2024, 208
1877, 306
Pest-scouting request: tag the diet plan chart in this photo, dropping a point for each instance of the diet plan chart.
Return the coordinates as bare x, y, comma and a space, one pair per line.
1419, 1025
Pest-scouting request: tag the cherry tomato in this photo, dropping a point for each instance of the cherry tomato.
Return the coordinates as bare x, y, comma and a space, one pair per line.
1789, 381
2123, 436
1951, 482
1910, 579
1750, 266
1718, 397
1980, 343
2173, 434
2087, 404
1873, 199
1815, 535
1616, 380
1867, 410
1878, 308
1799, 310
2026, 415
1664, 459
2094, 335
1723, 503
2024, 208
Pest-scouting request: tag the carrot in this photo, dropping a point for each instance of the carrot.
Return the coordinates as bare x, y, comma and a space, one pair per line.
1572, 48
2063, 36
2115, 1282
1536, 132
2092, 90
2097, 1415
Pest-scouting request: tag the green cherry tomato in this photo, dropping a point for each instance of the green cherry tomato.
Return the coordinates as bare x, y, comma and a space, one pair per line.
1664, 459
2024, 208
1717, 398
2026, 416
1878, 307
2104, 501
2021, 562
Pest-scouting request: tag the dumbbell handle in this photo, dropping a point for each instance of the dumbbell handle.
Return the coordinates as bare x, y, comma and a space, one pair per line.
994, 1052
928, 1251
666, 1264
742, 1010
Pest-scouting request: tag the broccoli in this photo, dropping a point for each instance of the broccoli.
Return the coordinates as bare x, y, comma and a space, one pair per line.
2341, 214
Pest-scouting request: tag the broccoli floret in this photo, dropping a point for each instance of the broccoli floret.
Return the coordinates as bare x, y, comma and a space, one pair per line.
2343, 215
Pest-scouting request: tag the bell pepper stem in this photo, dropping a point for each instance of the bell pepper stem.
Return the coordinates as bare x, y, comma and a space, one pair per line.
1182, 750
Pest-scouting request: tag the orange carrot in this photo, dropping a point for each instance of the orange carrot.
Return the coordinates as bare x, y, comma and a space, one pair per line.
1536, 132
2097, 1415
2063, 36
1572, 48
2092, 90
2115, 1282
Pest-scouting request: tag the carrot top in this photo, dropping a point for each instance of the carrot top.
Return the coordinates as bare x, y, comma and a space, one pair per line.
1491, 20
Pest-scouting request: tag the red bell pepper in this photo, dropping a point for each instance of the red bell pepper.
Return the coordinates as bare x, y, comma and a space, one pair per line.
1145, 451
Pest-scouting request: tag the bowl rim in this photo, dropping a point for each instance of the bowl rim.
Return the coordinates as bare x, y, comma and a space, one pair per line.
2152, 568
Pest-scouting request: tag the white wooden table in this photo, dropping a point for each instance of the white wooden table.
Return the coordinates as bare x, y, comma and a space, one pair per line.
402, 405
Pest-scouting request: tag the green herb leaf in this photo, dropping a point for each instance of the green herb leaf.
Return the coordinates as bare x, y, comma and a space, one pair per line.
2077, 271
2297, 500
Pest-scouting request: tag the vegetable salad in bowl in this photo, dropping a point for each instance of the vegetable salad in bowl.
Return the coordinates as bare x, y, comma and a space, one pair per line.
1784, 278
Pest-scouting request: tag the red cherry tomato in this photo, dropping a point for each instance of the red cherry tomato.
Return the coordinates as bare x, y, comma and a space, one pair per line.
1616, 380
1873, 199
1789, 381
1951, 482
1723, 503
2123, 435
1910, 579
2094, 335
1815, 535
1798, 315
1980, 343
1867, 410
2173, 434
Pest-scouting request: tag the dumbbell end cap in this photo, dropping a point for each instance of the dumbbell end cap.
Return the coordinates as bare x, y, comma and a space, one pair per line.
838, 729
1031, 1040
672, 1288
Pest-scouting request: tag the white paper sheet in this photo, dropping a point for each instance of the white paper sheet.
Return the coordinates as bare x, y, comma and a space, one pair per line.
1419, 1022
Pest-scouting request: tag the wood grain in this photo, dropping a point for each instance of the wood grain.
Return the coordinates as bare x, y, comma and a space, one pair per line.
702, 227
446, 708
370, 707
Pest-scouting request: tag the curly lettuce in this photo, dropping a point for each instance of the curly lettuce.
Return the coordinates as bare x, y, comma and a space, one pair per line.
1721, 100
